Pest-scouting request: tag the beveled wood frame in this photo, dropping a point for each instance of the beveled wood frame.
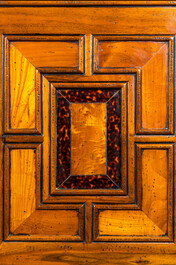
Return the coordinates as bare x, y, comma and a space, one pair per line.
170, 99
97, 208
8, 236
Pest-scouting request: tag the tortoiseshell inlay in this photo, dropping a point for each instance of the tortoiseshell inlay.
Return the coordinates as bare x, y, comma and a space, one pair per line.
66, 99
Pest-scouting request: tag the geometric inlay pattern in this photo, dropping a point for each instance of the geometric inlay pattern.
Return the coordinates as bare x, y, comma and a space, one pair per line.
88, 139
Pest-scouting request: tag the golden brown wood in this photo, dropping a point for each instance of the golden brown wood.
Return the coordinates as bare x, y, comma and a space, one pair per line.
88, 139
22, 186
126, 45
154, 91
22, 91
50, 54
83, 258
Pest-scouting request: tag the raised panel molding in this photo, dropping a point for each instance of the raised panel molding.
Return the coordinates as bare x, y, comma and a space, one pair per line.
153, 220
139, 205
26, 58
24, 219
120, 54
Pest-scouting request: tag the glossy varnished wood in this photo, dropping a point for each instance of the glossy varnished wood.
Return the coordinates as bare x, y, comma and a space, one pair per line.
88, 127
126, 45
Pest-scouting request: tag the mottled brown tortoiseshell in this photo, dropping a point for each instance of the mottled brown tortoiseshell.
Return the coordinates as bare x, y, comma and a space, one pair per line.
113, 137
88, 182
88, 96
112, 98
63, 139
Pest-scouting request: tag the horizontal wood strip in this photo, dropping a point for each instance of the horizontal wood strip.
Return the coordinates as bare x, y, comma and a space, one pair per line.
153, 138
153, 22
64, 258
22, 138
87, 3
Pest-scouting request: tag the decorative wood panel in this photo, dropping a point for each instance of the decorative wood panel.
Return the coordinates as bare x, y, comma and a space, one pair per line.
155, 91
153, 219
25, 219
68, 64
25, 58
83, 138
66, 100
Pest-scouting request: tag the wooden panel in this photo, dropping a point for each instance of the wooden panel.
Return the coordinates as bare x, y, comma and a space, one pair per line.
22, 91
154, 91
153, 220
154, 182
88, 141
115, 54
50, 54
127, 223
22, 186
63, 258
97, 20
49, 222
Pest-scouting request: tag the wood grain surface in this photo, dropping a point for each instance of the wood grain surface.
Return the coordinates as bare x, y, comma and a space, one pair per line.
154, 91
85, 45
88, 139
22, 91
50, 53
22, 180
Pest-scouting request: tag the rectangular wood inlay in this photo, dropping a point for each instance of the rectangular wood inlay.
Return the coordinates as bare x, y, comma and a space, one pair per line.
88, 138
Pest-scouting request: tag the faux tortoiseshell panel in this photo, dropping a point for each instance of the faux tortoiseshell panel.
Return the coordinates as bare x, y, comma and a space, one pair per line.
113, 137
89, 182
65, 101
63, 139
87, 96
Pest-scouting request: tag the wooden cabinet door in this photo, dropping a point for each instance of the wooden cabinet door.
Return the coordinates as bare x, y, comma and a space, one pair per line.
88, 126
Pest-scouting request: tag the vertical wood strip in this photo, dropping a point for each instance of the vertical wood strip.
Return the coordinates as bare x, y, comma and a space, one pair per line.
22, 91
22, 185
88, 55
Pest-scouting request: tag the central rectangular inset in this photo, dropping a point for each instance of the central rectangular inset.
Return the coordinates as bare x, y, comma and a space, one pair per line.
88, 138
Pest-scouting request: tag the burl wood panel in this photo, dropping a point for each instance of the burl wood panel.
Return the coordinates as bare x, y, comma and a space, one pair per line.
50, 53
88, 139
152, 220
22, 91
22, 186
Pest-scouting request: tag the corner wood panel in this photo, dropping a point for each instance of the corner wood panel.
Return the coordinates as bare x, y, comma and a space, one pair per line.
153, 220
154, 55
26, 57
25, 219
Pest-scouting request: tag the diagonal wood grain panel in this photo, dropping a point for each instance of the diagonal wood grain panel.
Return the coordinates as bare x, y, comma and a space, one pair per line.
22, 186
126, 53
154, 197
153, 219
154, 90
22, 91
50, 53
88, 138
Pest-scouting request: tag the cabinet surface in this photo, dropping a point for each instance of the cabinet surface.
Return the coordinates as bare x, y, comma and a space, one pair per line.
88, 126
